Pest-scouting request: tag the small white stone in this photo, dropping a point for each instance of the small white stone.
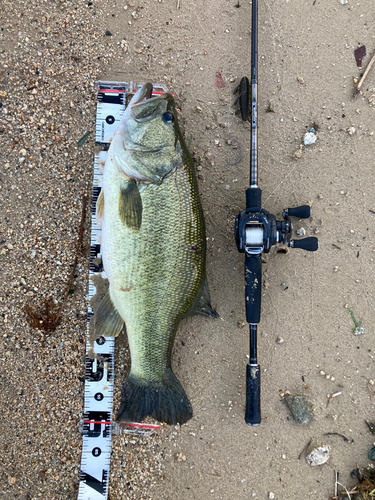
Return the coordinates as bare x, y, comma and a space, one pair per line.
271, 495
319, 455
309, 138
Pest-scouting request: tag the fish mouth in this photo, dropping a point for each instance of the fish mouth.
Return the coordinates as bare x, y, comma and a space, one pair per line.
144, 93
144, 105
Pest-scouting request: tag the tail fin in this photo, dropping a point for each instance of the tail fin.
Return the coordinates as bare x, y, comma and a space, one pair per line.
165, 400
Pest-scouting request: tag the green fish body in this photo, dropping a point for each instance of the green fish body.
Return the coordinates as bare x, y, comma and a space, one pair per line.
154, 252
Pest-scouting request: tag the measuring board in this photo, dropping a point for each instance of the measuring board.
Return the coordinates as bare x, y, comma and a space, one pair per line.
97, 426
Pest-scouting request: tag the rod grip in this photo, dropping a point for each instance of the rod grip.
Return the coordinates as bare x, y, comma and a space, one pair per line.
252, 413
310, 244
253, 287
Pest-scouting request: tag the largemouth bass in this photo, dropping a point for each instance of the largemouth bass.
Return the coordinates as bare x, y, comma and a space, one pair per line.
154, 253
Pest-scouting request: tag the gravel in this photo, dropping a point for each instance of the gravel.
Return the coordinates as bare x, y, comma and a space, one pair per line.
51, 54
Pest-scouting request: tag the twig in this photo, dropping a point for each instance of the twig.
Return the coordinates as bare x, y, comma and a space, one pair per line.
49, 318
336, 479
305, 448
360, 83
347, 492
333, 396
337, 434
344, 493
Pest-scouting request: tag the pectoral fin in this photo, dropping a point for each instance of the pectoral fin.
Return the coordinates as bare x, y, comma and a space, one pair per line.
107, 321
100, 206
130, 205
203, 305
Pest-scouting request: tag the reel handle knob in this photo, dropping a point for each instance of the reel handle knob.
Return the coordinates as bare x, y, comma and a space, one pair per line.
310, 244
302, 212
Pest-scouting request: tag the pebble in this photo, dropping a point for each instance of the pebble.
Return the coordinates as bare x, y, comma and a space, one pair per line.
301, 231
271, 495
359, 330
279, 340
309, 138
351, 130
318, 455
300, 408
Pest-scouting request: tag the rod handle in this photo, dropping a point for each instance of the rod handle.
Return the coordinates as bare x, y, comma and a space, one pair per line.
252, 413
310, 244
302, 212
253, 287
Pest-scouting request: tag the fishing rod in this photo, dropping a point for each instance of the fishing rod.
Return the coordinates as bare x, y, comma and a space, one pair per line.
256, 231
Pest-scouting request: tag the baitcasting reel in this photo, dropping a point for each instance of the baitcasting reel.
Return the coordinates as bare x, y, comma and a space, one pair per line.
256, 230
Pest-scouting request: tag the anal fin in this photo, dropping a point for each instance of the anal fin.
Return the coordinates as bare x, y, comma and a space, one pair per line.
202, 305
107, 321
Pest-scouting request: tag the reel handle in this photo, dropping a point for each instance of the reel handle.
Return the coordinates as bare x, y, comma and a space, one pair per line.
252, 413
311, 244
302, 212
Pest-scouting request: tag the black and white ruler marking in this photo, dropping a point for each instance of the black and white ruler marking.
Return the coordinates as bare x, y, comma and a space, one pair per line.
97, 423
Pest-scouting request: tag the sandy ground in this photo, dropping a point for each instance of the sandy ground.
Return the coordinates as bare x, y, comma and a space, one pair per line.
51, 53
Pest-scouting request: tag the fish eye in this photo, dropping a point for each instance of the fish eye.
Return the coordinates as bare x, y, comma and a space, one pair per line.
168, 118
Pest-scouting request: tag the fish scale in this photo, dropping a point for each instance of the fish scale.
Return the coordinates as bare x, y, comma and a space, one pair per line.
171, 272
